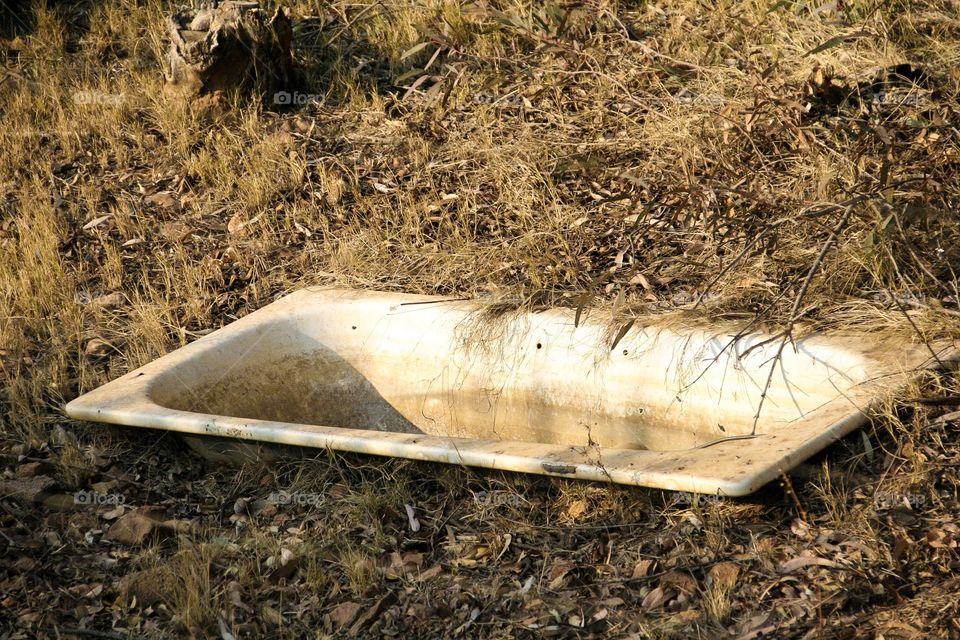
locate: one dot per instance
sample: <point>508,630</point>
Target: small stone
<point>241,506</point>
<point>60,437</point>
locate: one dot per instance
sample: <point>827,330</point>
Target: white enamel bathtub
<point>428,378</point>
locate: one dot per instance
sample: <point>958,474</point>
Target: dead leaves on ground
<point>448,573</point>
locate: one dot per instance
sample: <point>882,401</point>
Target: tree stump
<point>225,47</point>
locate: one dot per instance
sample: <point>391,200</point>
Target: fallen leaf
<point>225,633</point>
<point>680,581</point>
<point>430,573</point>
<point>30,489</point>
<point>723,576</point>
<point>344,613</point>
<point>685,617</point>
<point>415,49</point>
<point>175,231</point>
<point>86,590</point>
<point>114,513</point>
<point>59,502</point>
<point>412,559</point>
<point>643,568</point>
<point>412,518</point>
<point>654,599</point>
<point>283,566</point>
<point>900,548</point>
<point>576,509</point>
<point>137,527</point>
<point>642,281</point>
<point>30,469</point>
<point>96,222</point>
<point>271,615</point>
<point>237,225</point>
<point>507,539</point>
<point>758,626</point>
<point>800,562</point>
<point>558,572</point>
<point>371,613</point>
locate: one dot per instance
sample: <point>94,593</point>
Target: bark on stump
<point>225,47</point>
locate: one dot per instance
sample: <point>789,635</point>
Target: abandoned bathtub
<point>452,381</point>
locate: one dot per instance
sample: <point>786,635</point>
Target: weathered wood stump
<point>225,47</point>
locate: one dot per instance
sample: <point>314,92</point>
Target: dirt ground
<point>788,165</point>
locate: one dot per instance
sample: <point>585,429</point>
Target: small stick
<point>954,399</point>
<point>795,310</point>
<point>727,439</point>
<point>408,304</point>
<point>793,495</point>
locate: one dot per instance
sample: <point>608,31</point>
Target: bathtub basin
<point>452,381</point>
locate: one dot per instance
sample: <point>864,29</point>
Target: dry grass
<point>674,158</point>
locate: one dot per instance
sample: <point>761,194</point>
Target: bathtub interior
<point>451,370</point>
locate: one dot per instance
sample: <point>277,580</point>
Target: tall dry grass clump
<point>774,163</point>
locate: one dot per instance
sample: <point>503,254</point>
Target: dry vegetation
<point>667,157</point>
